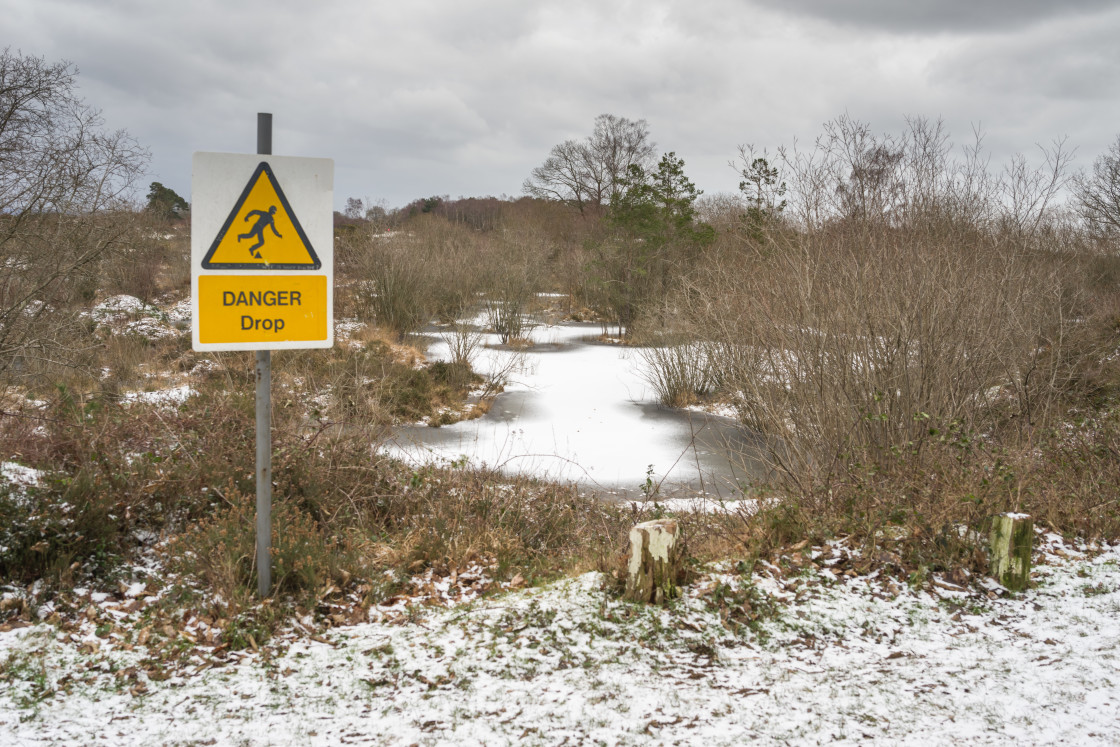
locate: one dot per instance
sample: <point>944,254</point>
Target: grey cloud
<point>933,16</point>
<point>1065,63</point>
<point>466,98</point>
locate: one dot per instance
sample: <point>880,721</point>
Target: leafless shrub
<point>463,341</point>
<point>64,184</point>
<point>140,265</point>
<point>902,295</point>
<point>856,347</point>
<point>506,312</point>
<point>514,259</point>
<point>428,270</point>
<point>1098,193</point>
<point>912,178</point>
<point>679,373</point>
<point>452,252</point>
<point>392,283</point>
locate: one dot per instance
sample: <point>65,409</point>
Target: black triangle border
<point>315,264</point>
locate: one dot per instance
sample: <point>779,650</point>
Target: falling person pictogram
<point>262,205</point>
<point>265,220</point>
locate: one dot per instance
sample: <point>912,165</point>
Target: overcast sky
<point>447,97</point>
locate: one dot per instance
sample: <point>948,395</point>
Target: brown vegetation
<point>919,342</point>
<point>912,339</point>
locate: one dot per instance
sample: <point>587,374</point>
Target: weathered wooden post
<point>1010,550</point>
<point>655,560</point>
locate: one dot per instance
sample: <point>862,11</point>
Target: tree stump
<point>1010,544</point>
<point>655,562</point>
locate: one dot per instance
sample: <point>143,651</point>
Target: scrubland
<point>918,340</point>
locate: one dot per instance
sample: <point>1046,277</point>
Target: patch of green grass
<point>742,607</point>
<point>1097,589</point>
<point>30,672</point>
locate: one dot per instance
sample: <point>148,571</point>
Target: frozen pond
<point>577,410</point>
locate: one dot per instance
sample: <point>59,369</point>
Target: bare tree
<point>851,174</point>
<point>64,182</point>
<point>1030,191</point>
<point>355,208</point>
<point>587,173</point>
<point>1098,193</point>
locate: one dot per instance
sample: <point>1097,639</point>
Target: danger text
<point>261,298</point>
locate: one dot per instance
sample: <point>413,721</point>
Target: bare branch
<point>586,174</point>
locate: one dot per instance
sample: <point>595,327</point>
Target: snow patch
<point>126,314</point>
<point>174,396</point>
<point>19,475</point>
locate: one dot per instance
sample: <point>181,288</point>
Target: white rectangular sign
<point>262,252</point>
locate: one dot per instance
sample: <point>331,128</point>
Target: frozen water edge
<point>845,664</point>
<point>576,411</point>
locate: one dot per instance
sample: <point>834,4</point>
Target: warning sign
<point>262,231</point>
<point>262,259</point>
<point>253,308</point>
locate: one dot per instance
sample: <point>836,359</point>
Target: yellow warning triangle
<point>262,232</point>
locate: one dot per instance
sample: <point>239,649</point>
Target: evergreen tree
<point>654,238</point>
<point>165,203</point>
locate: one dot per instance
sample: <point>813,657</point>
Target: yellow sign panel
<point>262,308</point>
<point>262,232</point>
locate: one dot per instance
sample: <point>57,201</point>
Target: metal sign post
<point>264,422</point>
<point>262,275</point>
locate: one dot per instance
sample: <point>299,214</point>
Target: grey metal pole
<point>264,423</point>
<point>264,133</point>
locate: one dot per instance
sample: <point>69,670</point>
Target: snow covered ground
<point>129,315</point>
<point>828,658</point>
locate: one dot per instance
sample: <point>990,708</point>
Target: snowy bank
<point>831,660</point>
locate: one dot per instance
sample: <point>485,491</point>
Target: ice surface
<point>577,410</point>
